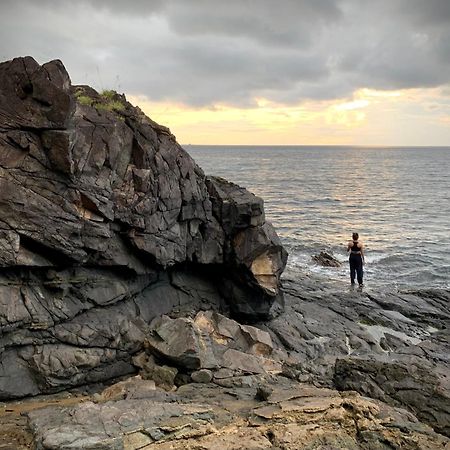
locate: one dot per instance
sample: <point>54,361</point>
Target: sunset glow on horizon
<point>370,117</point>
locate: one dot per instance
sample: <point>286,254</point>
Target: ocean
<point>397,199</point>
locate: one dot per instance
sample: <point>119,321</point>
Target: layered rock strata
<point>105,224</point>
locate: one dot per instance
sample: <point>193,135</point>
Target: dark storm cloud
<point>201,52</point>
<point>428,12</point>
<point>131,8</point>
<point>402,44</point>
<point>290,22</point>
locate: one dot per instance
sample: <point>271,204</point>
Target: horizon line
<point>316,145</point>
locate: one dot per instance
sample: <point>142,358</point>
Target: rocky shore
<point>392,346</point>
<point>339,368</point>
<point>142,304</point>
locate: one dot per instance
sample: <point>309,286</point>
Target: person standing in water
<point>356,259</point>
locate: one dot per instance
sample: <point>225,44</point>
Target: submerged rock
<point>105,224</point>
<point>326,260</point>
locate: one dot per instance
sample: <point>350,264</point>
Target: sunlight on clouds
<point>346,118</point>
<point>369,117</point>
<point>347,113</point>
<point>356,104</point>
<point>351,113</point>
<point>372,93</point>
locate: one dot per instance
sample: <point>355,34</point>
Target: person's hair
<point>355,236</point>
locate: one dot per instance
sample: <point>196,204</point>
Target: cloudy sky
<point>359,72</point>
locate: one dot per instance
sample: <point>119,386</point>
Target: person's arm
<point>362,253</point>
<point>349,246</point>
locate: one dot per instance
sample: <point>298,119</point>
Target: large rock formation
<point>105,224</point>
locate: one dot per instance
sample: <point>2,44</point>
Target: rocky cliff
<point>105,224</point>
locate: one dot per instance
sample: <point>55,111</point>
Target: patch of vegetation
<point>109,94</point>
<point>84,100</point>
<point>111,105</point>
<point>108,100</point>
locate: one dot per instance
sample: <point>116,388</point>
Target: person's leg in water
<point>360,271</point>
<point>352,270</point>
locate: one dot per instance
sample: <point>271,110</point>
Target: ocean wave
<point>396,273</point>
<point>391,260</point>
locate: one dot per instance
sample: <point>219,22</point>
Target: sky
<point>287,72</point>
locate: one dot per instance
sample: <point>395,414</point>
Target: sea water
<point>397,199</point>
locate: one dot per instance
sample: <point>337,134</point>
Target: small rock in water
<point>326,260</point>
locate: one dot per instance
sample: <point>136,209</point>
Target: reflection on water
<point>397,199</point>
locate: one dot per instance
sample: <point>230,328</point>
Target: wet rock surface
<point>393,346</point>
<point>105,224</point>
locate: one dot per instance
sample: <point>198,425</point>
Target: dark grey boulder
<point>400,380</point>
<point>202,376</point>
